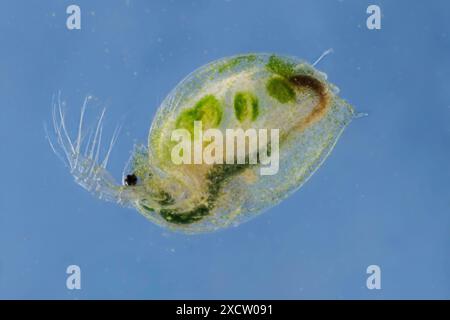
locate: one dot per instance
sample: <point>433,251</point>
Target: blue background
<point>382,197</point>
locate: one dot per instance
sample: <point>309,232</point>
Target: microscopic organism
<point>251,91</point>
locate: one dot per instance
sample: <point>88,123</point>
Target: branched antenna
<point>74,154</point>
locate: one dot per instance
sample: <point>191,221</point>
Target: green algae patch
<point>280,66</point>
<point>147,208</point>
<point>246,106</point>
<point>234,62</point>
<point>186,120</point>
<point>280,89</point>
<point>208,110</point>
<point>173,216</point>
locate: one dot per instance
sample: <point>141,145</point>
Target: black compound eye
<point>131,180</point>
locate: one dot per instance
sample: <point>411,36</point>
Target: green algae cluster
<point>280,89</point>
<point>280,66</point>
<point>208,110</point>
<point>188,217</point>
<point>279,86</point>
<point>246,106</point>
